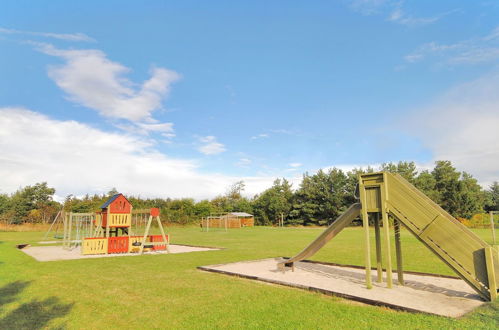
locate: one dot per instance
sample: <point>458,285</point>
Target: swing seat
<point>145,246</point>
<point>58,236</point>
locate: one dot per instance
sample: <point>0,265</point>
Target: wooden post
<point>365,222</point>
<point>65,233</point>
<point>108,218</point>
<point>145,235</point>
<point>492,227</point>
<point>379,265</point>
<point>50,228</point>
<point>386,229</point>
<point>398,251</point>
<point>489,262</point>
<point>70,228</point>
<point>167,241</point>
<point>130,227</point>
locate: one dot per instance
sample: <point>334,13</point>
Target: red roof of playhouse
<point>118,203</point>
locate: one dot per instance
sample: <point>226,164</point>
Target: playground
<point>443,274</point>
<point>168,290</point>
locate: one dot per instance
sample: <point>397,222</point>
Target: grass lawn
<point>167,291</point>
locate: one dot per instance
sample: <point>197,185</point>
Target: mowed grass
<point>167,291</point>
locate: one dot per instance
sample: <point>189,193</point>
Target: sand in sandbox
<point>52,253</point>
<point>444,296</point>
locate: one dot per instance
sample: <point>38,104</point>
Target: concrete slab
<point>53,253</point>
<point>444,296</point>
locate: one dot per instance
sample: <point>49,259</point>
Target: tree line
<point>318,200</point>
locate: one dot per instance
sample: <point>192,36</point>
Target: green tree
<point>457,193</point>
<point>203,208</point>
<point>492,197</point>
<point>277,200</point>
<point>321,198</point>
<point>471,196</point>
<point>447,186</point>
<point>25,200</point>
<point>406,169</point>
<point>426,182</point>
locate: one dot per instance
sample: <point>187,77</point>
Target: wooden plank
<point>491,276</point>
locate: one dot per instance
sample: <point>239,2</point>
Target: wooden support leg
<point>167,241</point>
<point>377,233</point>
<point>398,251</point>
<point>491,276</point>
<point>386,229</point>
<point>145,234</point>
<point>365,221</point>
<point>70,229</point>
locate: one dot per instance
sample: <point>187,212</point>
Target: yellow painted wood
<point>94,246</point>
<point>120,219</point>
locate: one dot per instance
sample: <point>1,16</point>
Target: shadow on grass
<point>9,292</point>
<point>30,315</point>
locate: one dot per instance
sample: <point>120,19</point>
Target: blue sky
<point>182,98</point>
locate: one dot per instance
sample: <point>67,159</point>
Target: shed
<point>245,219</point>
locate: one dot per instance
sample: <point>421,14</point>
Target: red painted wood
<point>158,238</point>
<point>120,205</point>
<point>117,244</point>
<point>155,212</point>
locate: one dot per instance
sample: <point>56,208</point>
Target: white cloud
<point>243,162</point>
<point>89,78</point>
<point>259,136</point>
<point>78,159</point>
<point>295,164</point>
<point>394,11</point>
<point>210,145</point>
<point>60,36</point>
<point>463,127</point>
<point>368,7</point>
<point>400,17</point>
<point>471,51</point>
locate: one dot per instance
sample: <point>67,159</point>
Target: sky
<point>184,98</point>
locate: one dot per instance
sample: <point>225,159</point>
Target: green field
<point>167,291</point>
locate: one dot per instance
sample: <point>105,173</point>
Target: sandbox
<point>432,294</point>
<point>53,253</point>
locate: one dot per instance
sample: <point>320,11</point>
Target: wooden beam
<point>386,230</point>
<point>367,247</point>
<point>398,251</point>
<point>379,264</point>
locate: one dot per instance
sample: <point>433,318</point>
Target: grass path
<point>166,291</point>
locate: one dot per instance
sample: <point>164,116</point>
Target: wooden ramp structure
<point>383,195</point>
